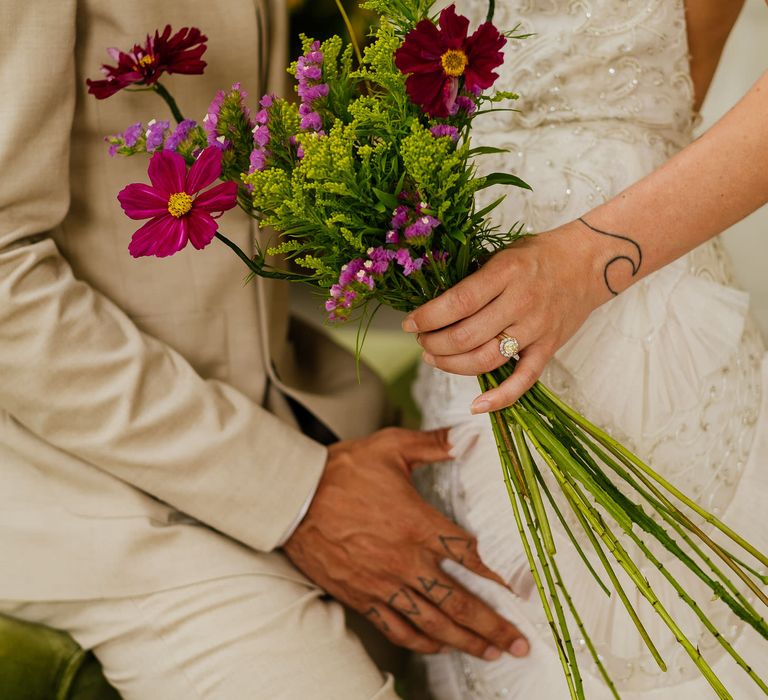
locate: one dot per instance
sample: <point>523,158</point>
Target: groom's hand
<point>373,543</point>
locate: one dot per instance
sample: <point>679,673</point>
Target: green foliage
<point>337,202</point>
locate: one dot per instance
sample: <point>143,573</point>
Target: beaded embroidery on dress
<point>673,367</point>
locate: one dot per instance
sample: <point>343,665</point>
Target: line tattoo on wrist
<point>633,257</point>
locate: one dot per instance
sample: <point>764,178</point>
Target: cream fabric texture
<point>242,637</point>
<point>138,399</point>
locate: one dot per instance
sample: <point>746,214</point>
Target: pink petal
<point>218,199</point>
<point>202,228</point>
<point>161,236</point>
<point>167,171</point>
<point>205,170</point>
<point>140,201</point>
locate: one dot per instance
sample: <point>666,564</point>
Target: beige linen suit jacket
<point>139,399</point>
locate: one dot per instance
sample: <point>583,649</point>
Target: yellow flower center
<point>145,61</point>
<point>454,62</point>
<point>179,204</point>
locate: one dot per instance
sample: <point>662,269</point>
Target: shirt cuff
<point>300,516</point>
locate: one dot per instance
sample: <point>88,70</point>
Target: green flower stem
<point>499,427</point>
<point>634,466</point>
<point>175,111</point>
<point>350,31</point>
<point>621,451</point>
<point>257,265</point>
<point>567,528</point>
<point>644,587</point>
<point>592,524</point>
<point>585,636</point>
<point>538,506</point>
<point>747,611</point>
<point>699,613</point>
<point>563,624</point>
<point>491,10</point>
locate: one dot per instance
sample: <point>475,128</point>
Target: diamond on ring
<point>509,347</point>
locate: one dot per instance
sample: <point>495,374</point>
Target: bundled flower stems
<point>370,180</point>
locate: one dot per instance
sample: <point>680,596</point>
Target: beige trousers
<point>245,637</point>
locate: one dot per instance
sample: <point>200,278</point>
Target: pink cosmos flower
<point>177,209</point>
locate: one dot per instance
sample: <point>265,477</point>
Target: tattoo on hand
<point>437,592</point>
<point>404,602</point>
<point>634,258</point>
<point>456,547</point>
<point>375,617</point>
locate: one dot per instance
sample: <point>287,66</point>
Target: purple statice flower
<point>211,120</point>
<point>420,231</point>
<point>379,259</point>
<point>445,130</point>
<point>399,217</point>
<point>258,160</point>
<point>464,104</point>
<point>364,276</point>
<point>309,73</point>
<point>261,135</point>
<point>349,271</point>
<point>409,265</point>
<point>439,256</point>
<point>179,135</point>
<point>392,237</point>
<point>313,93</point>
<point>310,119</point>
<point>112,149</point>
<point>156,132</point>
<point>132,134</point>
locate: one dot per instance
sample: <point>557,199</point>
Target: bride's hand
<point>539,291</point>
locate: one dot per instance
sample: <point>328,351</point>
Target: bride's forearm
<point>707,187</point>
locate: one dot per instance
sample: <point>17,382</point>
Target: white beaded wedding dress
<point>673,367</point>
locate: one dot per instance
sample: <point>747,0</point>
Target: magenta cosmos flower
<point>143,65</point>
<point>437,60</point>
<point>179,211</point>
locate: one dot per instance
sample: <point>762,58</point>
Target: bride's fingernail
<point>429,359</point>
<point>519,648</point>
<point>409,325</point>
<point>481,405</point>
<point>492,654</point>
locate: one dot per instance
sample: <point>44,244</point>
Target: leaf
<point>387,199</point>
<point>484,212</point>
<point>504,179</point>
<point>486,150</point>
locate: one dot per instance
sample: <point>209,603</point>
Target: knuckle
<point>461,609</point>
<point>432,627</point>
<point>462,299</point>
<point>459,336</point>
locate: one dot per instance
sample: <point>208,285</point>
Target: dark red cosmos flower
<point>437,60</point>
<point>161,53</point>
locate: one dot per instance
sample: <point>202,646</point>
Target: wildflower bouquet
<point>369,180</point>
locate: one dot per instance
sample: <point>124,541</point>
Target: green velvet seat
<point>37,663</point>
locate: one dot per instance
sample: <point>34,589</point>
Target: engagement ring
<point>509,347</point>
